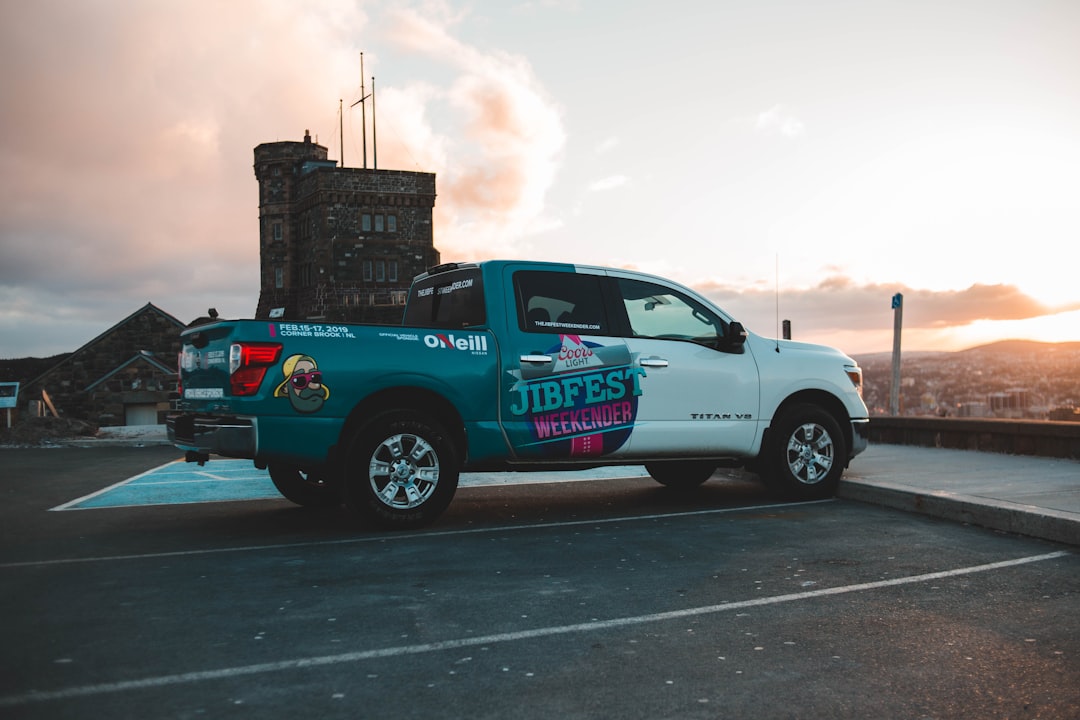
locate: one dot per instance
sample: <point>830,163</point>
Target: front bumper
<point>860,436</point>
<point>212,434</point>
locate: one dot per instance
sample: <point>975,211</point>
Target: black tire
<point>681,474</point>
<point>805,454</point>
<point>400,471</point>
<point>310,489</point>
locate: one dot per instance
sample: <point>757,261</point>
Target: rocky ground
<point>36,432</point>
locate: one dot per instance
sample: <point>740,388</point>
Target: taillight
<point>248,363</point>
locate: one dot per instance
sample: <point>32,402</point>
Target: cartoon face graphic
<point>303,384</point>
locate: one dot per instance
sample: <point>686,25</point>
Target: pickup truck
<point>514,365</point>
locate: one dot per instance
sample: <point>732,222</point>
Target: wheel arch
<point>826,401</point>
<point>418,399</point>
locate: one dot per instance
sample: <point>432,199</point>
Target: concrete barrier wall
<point>1014,437</point>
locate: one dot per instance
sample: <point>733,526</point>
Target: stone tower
<point>338,244</point>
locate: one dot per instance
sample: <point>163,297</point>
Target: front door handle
<point>654,362</point>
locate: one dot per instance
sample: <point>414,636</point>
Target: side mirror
<point>735,338</point>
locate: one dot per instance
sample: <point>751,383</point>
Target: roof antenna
<point>374,140</point>
<point>778,301</point>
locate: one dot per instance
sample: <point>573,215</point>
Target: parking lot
<point>609,597</point>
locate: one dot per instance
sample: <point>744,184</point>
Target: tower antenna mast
<point>374,140</point>
<point>363,107</point>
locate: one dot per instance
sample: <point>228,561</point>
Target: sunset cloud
<point>129,128</point>
<point>500,159</point>
<point>609,183</point>
<point>779,120</point>
<point>838,303</point>
<point>607,145</point>
<point>125,165</point>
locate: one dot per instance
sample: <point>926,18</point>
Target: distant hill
<point>887,356</point>
<point>23,370</point>
<point>1001,347</point>
<point>1014,347</point>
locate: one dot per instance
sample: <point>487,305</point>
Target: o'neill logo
<point>476,344</point>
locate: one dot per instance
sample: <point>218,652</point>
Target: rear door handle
<point>535,358</point>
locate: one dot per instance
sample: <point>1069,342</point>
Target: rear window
<point>560,302</point>
<point>452,299</point>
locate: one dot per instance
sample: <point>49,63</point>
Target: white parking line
<point>380,538</point>
<point>405,650</point>
<point>92,495</point>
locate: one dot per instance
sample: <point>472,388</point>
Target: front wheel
<point>400,471</point>
<point>681,474</point>
<point>805,454</point>
<point>310,489</point>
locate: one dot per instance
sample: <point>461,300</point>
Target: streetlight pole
<point>898,321</point>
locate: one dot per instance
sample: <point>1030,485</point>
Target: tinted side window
<point>560,302</point>
<point>660,312</point>
<point>448,300</point>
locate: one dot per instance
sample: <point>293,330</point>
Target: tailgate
<point>204,365</point>
<point>218,373</point>
<point>216,367</point>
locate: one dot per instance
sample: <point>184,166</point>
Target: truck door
<point>569,390</point>
<point>695,397</point>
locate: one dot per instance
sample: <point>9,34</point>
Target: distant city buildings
<point>338,244</point>
<point>1013,380</point>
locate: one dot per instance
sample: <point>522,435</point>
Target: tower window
<point>391,223</point>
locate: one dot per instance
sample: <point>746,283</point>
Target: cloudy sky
<point>794,159</point>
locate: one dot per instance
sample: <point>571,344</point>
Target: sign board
<point>9,394</point>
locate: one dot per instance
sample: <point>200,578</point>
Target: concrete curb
<point>91,442</point>
<point>1001,515</point>
<point>122,435</point>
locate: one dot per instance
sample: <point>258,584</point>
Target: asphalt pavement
<point>1034,496</point>
<point>535,595</point>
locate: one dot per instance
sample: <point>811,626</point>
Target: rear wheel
<point>310,489</point>
<point>400,471</point>
<point>805,454</point>
<point>681,474</point>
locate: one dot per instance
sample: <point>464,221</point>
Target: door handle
<point>535,358</point>
<point>654,362</point>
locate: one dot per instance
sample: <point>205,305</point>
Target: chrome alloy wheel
<point>404,471</point>
<point>810,453</point>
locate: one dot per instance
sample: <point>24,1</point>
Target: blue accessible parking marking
<point>182,483</point>
<point>224,480</point>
